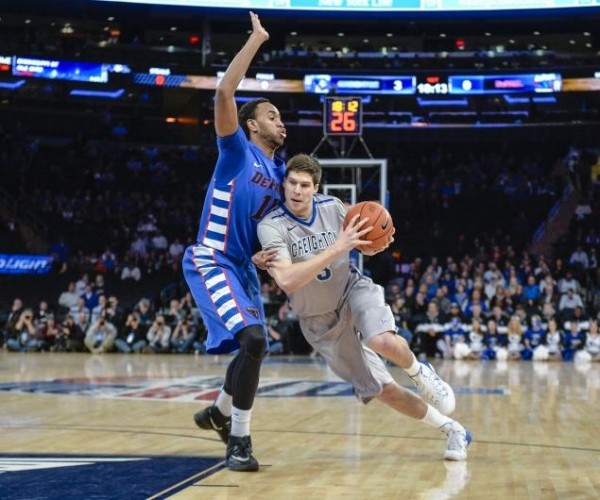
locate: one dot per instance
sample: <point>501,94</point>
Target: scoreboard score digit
<point>342,116</point>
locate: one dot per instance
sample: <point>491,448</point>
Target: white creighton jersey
<point>298,240</point>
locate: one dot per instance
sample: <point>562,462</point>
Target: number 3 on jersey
<point>324,275</point>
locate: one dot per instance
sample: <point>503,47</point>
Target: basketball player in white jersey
<point>343,315</point>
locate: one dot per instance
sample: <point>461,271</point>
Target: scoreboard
<point>433,84</point>
<point>342,116</point>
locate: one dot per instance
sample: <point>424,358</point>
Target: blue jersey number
<point>324,275</point>
<point>267,204</point>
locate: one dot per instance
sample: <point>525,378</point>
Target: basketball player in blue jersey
<point>219,268</point>
<point>343,315</point>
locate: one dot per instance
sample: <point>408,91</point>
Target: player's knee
<point>388,344</point>
<point>253,341</point>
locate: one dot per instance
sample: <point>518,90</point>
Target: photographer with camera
<point>133,335</point>
<point>184,335</point>
<point>101,336</point>
<point>21,336</point>
<point>159,336</point>
<point>70,337</point>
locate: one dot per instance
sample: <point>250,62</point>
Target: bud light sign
<point>25,264</point>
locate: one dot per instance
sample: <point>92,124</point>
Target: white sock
<point>435,418</point>
<point>413,369</point>
<point>223,403</point>
<point>240,422</point>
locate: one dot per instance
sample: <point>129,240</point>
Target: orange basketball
<point>378,217</point>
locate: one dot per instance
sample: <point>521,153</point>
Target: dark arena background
<point>476,123</point>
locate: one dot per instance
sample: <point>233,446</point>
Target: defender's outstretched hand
<point>257,28</point>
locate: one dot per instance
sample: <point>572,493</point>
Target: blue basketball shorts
<point>227,294</point>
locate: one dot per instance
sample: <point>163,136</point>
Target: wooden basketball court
<point>534,428</point>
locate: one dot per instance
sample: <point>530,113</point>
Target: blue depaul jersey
<point>245,185</point>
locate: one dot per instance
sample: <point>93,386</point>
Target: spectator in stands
<point>548,290</point>
<point>429,331</point>
<point>81,284</point>
<point>114,312</point>
<point>138,247</point>
<point>130,268</point>
<point>461,297</point>
<point>548,313</point>
<point>568,302</point>
<point>108,260</point>
<point>159,242</point>
<point>580,262</point>
<point>531,290</point>
<point>402,317</point>
<point>90,297</point>
<point>441,297</point>
<point>99,285</point>
<point>100,309</point>
<point>81,313</point>
<point>68,298</point>
<point>100,337</point>
<point>592,275</point>
<point>176,250</point>
<point>158,336</point>
<point>42,312</point>
<point>132,337</point>
<point>568,283</point>
<point>501,299</point>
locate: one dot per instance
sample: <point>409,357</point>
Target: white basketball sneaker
<point>434,389</point>
<point>459,439</point>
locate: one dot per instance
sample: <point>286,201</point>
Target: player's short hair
<point>248,112</point>
<point>305,163</point>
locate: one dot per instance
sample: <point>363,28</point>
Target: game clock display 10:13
<point>342,116</point>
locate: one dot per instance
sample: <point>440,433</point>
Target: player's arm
<point>292,276</point>
<point>226,120</point>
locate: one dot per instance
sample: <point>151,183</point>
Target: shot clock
<point>342,116</point>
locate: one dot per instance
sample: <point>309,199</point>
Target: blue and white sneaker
<point>434,389</point>
<point>459,439</point>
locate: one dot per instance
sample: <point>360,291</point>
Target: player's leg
<point>395,349</point>
<point>244,377</point>
<point>411,405</point>
<point>230,307</point>
<point>374,319</point>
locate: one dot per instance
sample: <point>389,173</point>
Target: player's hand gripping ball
<point>379,218</point>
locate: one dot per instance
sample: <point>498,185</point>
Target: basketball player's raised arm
<point>226,120</point>
<point>291,276</point>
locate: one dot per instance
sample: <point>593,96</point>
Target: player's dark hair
<point>248,112</point>
<point>305,163</point>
